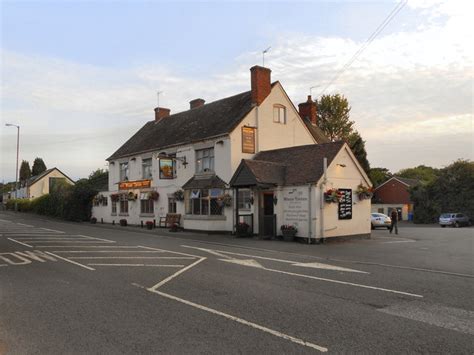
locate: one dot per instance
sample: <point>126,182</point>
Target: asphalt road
<point>70,288</point>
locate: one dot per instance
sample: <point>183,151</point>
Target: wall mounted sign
<point>166,169</point>
<point>248,140</point>
<point>137,184</point>
<point>345,204</point>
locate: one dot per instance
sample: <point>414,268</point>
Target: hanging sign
<point>248,140</point>
<point>345,204</point>
<point>137,184</point>
<point>166,169</point>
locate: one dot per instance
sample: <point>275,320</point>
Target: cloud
<point>415,84</point>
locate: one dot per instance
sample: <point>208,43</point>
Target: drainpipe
<point>323,184</point>
<point>257,143</point>
<point>310,214</point>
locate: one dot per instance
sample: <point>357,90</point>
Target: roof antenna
<point>158,99</point>
<point>263,56</point>
<point>311,89</point>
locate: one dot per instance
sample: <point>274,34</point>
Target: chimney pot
<point>161,112</point>
<point>196,103</point>
<point>308,110</point>
<point>260,83</point>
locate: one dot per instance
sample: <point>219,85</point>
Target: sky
<point>81,77</point>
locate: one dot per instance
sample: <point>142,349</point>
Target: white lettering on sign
<point>295,208</point>
<point>25,257</point>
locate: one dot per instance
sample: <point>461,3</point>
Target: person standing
<point>394,218</point>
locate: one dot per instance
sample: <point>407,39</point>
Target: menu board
<point>345,204</point>
<point>248,140</point>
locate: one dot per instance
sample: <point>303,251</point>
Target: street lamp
<point>17,155</point>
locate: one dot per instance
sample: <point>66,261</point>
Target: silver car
<point>454,220</point>
<point>378,220</point>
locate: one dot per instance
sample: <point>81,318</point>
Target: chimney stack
<point>161,112</point>
<point>308,110</point>
<point>260,83</point>
<point>196,103</point>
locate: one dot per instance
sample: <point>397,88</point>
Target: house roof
<point>205,182</point>
<point>405,181</point>
<point>287,166</point>
<point>316,132</point>
<point>210,120</point>
<point>38,177</point>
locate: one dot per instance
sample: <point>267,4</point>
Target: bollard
<point>101,221</point>
<point>141,224</point>
<point>113,222</point>
<point>154,223</point>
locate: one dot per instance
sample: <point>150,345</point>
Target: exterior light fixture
<point>164,155</point>
<point>275,200</point>
<point>341,165</point>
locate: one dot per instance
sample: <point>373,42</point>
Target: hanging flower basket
<point>242,229</point>
<point>131,196</point>
<point>364,192</point>
<point>224,200</point>
<point>288,231</point>
<point>115,197</point>
<point>153,195</point>
<point>149,224</point>
<point>333,196</point>
<point>179,195</point>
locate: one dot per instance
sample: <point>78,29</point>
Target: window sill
<point>146,215</point>
<point>196,217</point>
<point>123,214</point>
<point>113,214</point>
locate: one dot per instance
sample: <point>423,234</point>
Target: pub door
<point>267,215</point>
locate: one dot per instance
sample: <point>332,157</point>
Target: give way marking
<point>253,263</point>
<point>24,257</point>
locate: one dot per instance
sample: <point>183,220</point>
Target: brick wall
<point>392,192</point>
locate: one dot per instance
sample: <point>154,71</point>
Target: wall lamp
<point>341,165</point>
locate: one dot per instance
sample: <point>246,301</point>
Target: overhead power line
<point>369,40</point>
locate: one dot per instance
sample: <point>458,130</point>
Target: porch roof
<point>205,182</point>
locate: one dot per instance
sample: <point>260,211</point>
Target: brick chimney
<point>308,110</point>
<point>196,103</point>
<point>161,112</point>
<point>260,83</point>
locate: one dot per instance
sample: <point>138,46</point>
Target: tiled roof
<point>210,120</point>
<point>290,166</point>
<point>316,132</point>
<point>205,182</point>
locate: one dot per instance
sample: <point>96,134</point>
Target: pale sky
<point>80,77</point>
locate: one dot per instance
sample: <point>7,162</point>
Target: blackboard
<point>345,204</point>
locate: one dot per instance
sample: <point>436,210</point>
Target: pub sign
<point>248,140</point>
<point>345,204</point>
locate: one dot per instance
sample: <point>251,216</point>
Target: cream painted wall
<point>41,187</point>
<point>270,135</point>
<point>348,177</point>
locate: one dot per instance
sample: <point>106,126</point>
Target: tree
<point>357,145</point>
<point>99,179</point>
<point>25,171</point>
<point>379,175</point>
<point>38,167</point>
<point>333,117</point>
<point>425,174</point>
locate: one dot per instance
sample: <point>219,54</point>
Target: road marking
<point>52,230</point>
<point>23,224</point>
<point>132,257</point>
<point>37,255</point>
<point>107,251</point>
<point>244,262</point>
<point>169,251</point>
<point>22,260</point>
<point>87,246</point>
<point>106,240</point>
<point>169,278</point>
<point>70,261</point>
<point>399,241</point>
<point>4,220</point>
<point>244,322</point>
<point>294,263</point>
<point>24,244</point>
<point>457,319</point>
<point>70,241</point>
<point>154,265</point>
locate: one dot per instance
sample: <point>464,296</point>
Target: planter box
<point>288,235</point>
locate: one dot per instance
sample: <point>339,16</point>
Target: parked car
<point>378,220</point>
<point>454,220</point>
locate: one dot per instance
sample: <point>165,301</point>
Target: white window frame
<point>279,114</point>
<point>147,168</point>
<point>124,171</point>
<point>205,160</point>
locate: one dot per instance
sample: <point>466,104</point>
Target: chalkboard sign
<point>345,204</point>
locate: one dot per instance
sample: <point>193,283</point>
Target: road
<point>68,288</point>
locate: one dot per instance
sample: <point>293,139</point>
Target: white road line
<point>399,241</point>
<point>244,322</point>
<point>107,251</point>
<point>16,241</point>
<point>133,257</point>
<point>23,224</point>
<point>4,220</point>
<point>88,246</point>
<point>169,251</point>
<point>139,265</point>
<point>70,261</point>
<point>161,283</point>
<point>344,283</point>
<point>71,241</point>
<point>52,230</point>
<point>85,236</point>
<point>40,239</point>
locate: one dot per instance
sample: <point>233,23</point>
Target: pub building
<point>251,158</point>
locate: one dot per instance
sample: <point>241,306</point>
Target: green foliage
<point>24,205</point>
<point>379,175</point>
<point>333,117</point>
<point>357,145</point>
<point>25,171</point>
<point>38,166</point>
<point>451,191</point>
<point>425,174</point>
<point>99,179</point>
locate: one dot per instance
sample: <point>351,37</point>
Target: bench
<point>170,220</point>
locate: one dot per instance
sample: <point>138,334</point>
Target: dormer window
<point>279,114</point>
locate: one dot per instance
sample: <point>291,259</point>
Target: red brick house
<point>394,194</point>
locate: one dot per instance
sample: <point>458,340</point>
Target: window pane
<point>216,208</point>
<point>276,117</point>
<point>205,206</point>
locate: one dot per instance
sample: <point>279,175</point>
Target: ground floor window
<point>114,207</point>
<point>244,199</point>
<point>147,206</point>
<point>123,204</point>
<point>171,205</point>
<point>204,202</point>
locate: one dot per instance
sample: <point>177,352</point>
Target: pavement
<point>75,288</point>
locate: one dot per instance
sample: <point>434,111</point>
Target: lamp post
<point>17,155</point>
